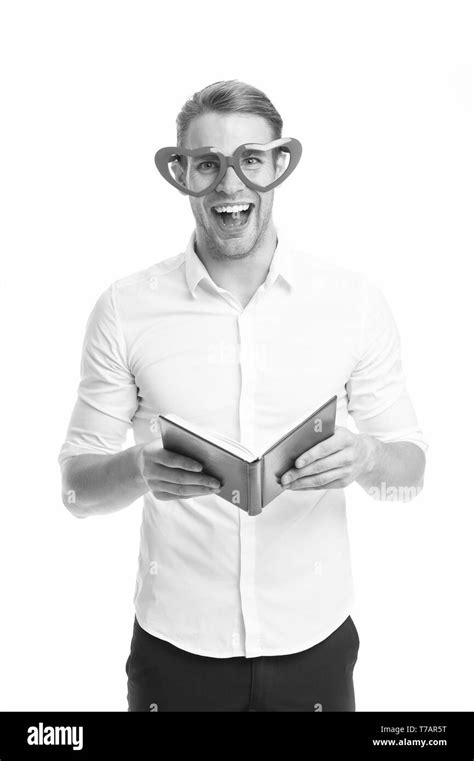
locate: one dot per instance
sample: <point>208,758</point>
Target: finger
<point>322,480</point>
<point>175,491</point>
<point>175,460</point>
<point>337,460</point>
<point>341,438</point>
<point>340,483</point>
<point>178,476</point>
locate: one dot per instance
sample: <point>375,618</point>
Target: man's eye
<point>251,160</point>
<point>206,166</point>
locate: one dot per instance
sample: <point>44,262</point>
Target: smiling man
<point>245,334</point>
<point>234,221</point>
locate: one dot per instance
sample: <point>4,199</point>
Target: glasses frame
<point>287,144</point>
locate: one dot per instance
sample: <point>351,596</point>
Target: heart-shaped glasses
<point>260,166</point>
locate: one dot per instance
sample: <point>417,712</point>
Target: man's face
<point>224,236</point>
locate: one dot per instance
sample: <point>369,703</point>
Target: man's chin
<point>235,246</point>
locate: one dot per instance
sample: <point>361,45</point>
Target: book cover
<point>249,482</point>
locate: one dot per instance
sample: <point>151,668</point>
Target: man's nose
<point>230,182</point>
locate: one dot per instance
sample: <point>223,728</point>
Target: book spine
<point>254,491</point>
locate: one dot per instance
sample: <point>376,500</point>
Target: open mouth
<point>233,217</point>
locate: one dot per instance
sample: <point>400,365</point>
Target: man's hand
<point>334,463</point>
<point>172,476</point>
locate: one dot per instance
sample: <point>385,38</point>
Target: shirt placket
<point>248,525</point>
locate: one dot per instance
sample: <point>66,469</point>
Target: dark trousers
<point>162,677</point>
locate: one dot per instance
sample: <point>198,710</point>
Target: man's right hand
<point>169,475</point>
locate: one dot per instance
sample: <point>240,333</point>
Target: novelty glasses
<point>260,166</point>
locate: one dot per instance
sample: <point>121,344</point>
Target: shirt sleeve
<point>107,394</point>
<point>378,399</point>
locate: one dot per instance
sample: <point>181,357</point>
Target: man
<point>245,335</point>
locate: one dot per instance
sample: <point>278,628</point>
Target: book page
<point>231,445</point>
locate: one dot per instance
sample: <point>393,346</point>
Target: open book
<point>248,480</point>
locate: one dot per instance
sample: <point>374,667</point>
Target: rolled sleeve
<point>378,399</point>
<point>107,394</point>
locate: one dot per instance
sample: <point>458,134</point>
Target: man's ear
<point>281,163</point>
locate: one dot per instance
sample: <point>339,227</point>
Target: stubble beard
<point>221,251</point>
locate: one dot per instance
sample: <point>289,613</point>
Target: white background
<point>380,95</point>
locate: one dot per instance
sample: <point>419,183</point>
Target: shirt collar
<point>282,265</point>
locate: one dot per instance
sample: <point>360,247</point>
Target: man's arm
<point>393,467</point>
<point>94,484</point>
<point>387,456</point>
<point>109,478</point>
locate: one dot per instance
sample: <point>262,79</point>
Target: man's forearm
<point>96,484</point>
<point>393,470</point>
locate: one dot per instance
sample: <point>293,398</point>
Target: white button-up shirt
<point>211,579</point>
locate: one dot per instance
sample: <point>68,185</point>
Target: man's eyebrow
<point>252,152</point>
<point>205,157</point>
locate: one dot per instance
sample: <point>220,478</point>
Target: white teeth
<point>232,209</point>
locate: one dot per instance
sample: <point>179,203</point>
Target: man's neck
<point>241,277</point>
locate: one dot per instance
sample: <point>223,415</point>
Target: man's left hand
<point>333,463</point>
